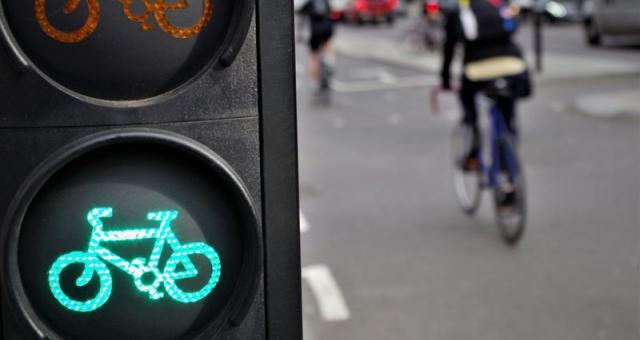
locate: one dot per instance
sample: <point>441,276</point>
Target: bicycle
<point>158,8</point>
<point>146,275</point>
<point>499,169</point>
<point>424,34</point>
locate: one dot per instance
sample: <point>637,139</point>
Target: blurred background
<point>387,252</point>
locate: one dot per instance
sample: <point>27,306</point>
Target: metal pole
<point>537,34</point>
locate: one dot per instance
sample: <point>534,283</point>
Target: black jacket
<point>488,46</point>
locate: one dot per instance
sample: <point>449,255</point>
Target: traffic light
<point>148,188</point>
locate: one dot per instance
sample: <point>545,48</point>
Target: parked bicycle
<point>159,9</point>
<point>424,34</point>
<point>499,170</point>
<point>146,275</point>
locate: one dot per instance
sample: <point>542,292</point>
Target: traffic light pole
<point>537,36</point>
<point>276,67</point>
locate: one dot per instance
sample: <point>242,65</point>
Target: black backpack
<point>494,21</point>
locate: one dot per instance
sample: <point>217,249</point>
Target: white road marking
<point>367,72</point>
<point>304,223</point>
<point>381,74</point>
<point>326,292</point>
<point>387,78</point>
<point>379,85</point>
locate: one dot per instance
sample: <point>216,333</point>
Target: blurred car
<point>610,18</point>
<point>551,10</point>
<point>338,8</point>
<point>403,8</point>
<point>431,7</point>
<point>560,11</point>
<point>361,11</point>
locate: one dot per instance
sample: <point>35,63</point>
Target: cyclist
<point>322,27</point>
<point>485,27</point>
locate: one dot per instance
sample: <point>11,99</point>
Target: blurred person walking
<point>322,56</point>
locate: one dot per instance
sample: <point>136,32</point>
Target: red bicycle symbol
<point>159,9</point>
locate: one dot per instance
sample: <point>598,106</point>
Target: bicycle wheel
<point>510,215</point>
<point>181,255</point>
<point>92,265</point>
<point>69,37</point>
<point>412,40</point>
<point>466,183</point>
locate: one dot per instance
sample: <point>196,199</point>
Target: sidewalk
<point>556,66</point>
<point>610,104</point>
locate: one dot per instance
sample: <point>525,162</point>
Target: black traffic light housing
<point>149,123</point>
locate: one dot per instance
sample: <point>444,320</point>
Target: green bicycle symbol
<point>96,255</point>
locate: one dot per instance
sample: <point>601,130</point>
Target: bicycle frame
<point>498,130</point>
<point>136,268</point>
<point>97,256</point>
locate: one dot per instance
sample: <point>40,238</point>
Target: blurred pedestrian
<point>322,56</point>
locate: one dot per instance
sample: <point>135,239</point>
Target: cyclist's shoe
<point>324,85</point>
<point>329,69</point>
<point>506,200</point>
<point>470,147</point>
<point>507,194</point>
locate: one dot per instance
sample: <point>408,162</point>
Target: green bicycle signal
<point>96,257</point>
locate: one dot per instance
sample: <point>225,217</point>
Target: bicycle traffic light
<point>149,183</point>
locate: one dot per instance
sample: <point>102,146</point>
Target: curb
<point>564,67</point>
<point>609,105</point>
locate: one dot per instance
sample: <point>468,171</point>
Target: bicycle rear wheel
<point>466,183</point>
<point>510,197</point>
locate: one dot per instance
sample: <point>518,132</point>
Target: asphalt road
<point>387,253</point>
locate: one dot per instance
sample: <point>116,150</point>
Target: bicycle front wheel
<point>467,183</point>
<point>182,255</point>
<point>510,194</point>
<point>79,35</point>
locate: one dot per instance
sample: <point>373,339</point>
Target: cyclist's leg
<point>508,108</point>
<point>468,91</point>
<point>467,95</point>
<point>507,154</point>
